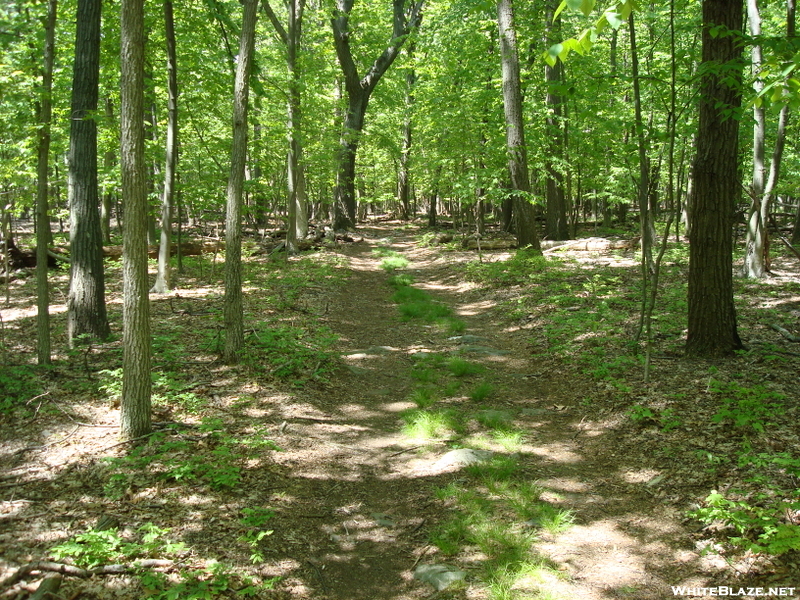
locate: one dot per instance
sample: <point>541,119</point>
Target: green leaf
<point>560,8</point>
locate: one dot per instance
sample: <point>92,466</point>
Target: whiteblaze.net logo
<point>726,591</point>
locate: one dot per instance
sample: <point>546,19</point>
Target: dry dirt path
<point>360,492</point>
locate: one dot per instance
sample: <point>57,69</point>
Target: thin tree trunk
<point>646,226</point>
<point>42,216</point>
<point>135,418</point>
<point>233,312</point>
<point>86,306</point>
<point>164,278</point>
<point>515,132</point>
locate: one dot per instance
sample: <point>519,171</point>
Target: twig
<point>404,451</point>
<point>785,333</point>
<point>421,554</point>
<point>64,569</point>
<point>30,448</point>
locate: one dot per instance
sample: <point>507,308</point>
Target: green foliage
<point>202,584</point>
<point>18,385</point>
<point>463,368</point>
<point>431,424</point>
<point>498,514</point>
<point>254,520</point>
<point>215,464</point>
<point>523,267</point>
<point>644,415</point>
<point>761,529</point>
<point>747,407</point>
<point>101,547</point>
<point>291,353</point>
<point>167,391</point>
<point>481,392</point>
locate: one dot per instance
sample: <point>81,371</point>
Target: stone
<point>439,576</point>
<point>463,457</point>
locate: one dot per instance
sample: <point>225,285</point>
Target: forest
<point>413,299</point>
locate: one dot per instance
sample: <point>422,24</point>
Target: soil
<point>352,495</point>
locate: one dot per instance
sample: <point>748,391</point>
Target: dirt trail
<point>363,492</point>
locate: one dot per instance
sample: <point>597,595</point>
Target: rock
<point>383,520</point>
<point>463,457</point>
<point>439,576</point>
<point>467,339</point>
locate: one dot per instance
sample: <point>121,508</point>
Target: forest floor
<point>319,468</point>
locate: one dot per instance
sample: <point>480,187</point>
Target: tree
<point>163,279</point>
<point>290,35</point>
<point>86,306</point>
<point>234,325</point>
<point>135,419</point>
<point>712,315</point>
<point>515,131</point>
<point>42,216</point>
<point>359,89</point>
<point>556,227</point>
<point>756,259</point>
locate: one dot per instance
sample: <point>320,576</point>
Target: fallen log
<point>187,249</point>
<point>589,245</point>
<point>493,243</point>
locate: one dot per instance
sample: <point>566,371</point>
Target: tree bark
<point>163,281</point>
<point>556,226</point>
<point>712,315</point>
<point>135,418</point>
<point>86,306</point>
<point>359,89</point>
<point>42,216</point>
<point>515,132</point>
<point>233,312</point>
<point>756,259</point>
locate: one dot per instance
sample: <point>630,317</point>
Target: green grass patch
<point>499,514</point>
<point>431,424</point>
<point>481,392</point>
<point>463,368</point>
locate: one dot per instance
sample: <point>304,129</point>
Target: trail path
<point>361,492</point>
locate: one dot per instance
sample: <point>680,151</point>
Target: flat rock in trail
<point>462,457</point>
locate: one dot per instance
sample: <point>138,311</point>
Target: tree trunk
<point>712,315</point>
<point>756,260</point>
<point>233,315</point>
<point>556,226</point>
<point>136,376</point>
<point>515,133</point>
<point>86,306</point>
<point>108,199</point>
<point>359,89</point>
<point>164,278</point>
<point>404,173</point>
<point>42,216</point>
<point>646,224</point>
<point>297,204</point>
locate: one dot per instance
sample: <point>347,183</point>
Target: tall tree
<point>359,90</point>
<point>163,280</point>
<point>233,315</point>
<point>756,259</point>
<point>556,226</point>
<point>712,315</point>
<point>42,216</point>
<point>135,418</point>
<point>86,306</point>
<point>290,35</point>
<point>404,173</point>
<point>515,130</point>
